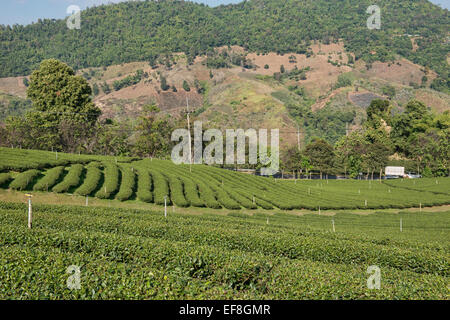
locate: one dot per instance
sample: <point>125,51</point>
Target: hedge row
<point>195,191</point>
<point>161,188</point>
<point>24,179</point>
<point>239,198</point>
<point>111,176</point>
<point>222,196</point>
<point>242,191</point>
<point>49,180</point>
<point>128,183</point>
<point>144,191</point>
<point>176,192</point>
<point>91,182</point>
<point>71,180</point>
<point>5,178</point>
<point>192,194</point>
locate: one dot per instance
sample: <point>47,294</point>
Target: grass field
<point>226,235</point>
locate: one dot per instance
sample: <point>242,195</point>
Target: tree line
<point>417,138</point>
<point>64,118</point>
<point>145,30</point>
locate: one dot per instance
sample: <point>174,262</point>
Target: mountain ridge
<point>137,31</point>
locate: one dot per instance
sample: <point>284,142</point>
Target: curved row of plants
<point>49,180</point>
<point>71,180</point>
<point>24,179</point>
<point>127,184</point>
<point>158,180</point>
<point>111,180</point>
<point>91,181</point>
<point>145,186</point>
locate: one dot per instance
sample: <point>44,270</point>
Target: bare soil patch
<point>13,86</point>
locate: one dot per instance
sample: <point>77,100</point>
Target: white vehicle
<point>413,175</point>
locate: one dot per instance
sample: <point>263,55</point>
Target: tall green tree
<point>63,116</point>
<point>321,155</point>
<point>155,131</point>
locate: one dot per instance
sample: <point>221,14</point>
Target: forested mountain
<point>141,30</point>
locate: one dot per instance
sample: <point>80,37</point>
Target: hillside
<point>141,30</point>
<point>231,62</point>
<point>235,97</point>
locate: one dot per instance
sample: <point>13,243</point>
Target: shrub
<point>71,180</point>
<point>240,199</point>
<point>225,200</point>
<point>23,180</point>
<point>161,187</point>
<point>192,193</point>
<point>144,191</point>
<point>207,195</point>
<point>111,176</point>
<point>5,178</point>
<point>49,180</point>
<point>90,184</point>
<point>128,183</point>
<point>176,192</point>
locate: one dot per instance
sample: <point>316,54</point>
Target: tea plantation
<point>141,255</point>
<point>247,241</point>
<point>160,182</point>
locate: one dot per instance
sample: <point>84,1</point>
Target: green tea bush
<point>192,193</point>
<point>176,192</point>
<point>239,198</point>
<point>127,185</point>
<point>225,200</point>
<point>71,180</point>
<point>144,190</point>
<point>209,186</point>
<point>208,196</point>
<point>49,180</point>
<point>91,182</point>
<point>5,178</point>
<point>236,256</point>
<point>161,187</point>
<point>111,175</point>
<point>24,180</point>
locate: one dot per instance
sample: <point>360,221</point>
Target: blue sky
<point>27,11</point>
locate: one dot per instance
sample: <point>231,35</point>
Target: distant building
<point>394,171</point>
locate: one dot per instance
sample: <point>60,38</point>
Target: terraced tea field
<point>160,182</point>
<point>135,254</point>
<point>232,236</point>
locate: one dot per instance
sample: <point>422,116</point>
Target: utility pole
<point>189,129</point>
<point>298,137</point>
